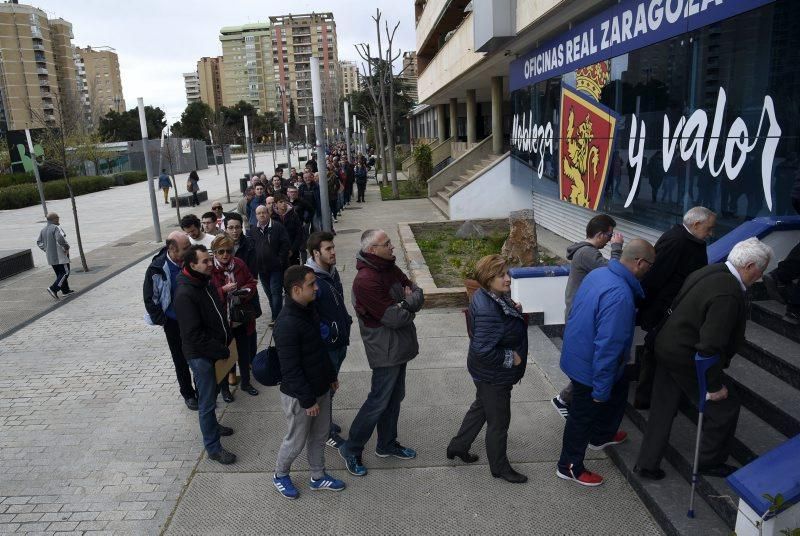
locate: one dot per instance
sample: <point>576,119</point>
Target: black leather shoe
<point>191,403</point>
<point>227,396</point>
<point>223,456</point>
<point>466,457</point>
<point>650,474</point>
<point>722,470</point>
<point>224,431</point>
<point>250,390</point>
<point>512,476</point>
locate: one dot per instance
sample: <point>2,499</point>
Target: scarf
<point>506,304</point>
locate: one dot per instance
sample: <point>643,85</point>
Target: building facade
<point>103,79</point>
<point>268,64</point>
<point>349,71</point>
<point>408,76</point>
<point>37,66</point>
<point>210,81</point>
<point>191,85</point>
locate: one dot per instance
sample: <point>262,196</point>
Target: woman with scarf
<point>498,352</point>
<point>235,284</point>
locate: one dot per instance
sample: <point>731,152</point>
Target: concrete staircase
<point>442,198</point>
<point>766,377</point>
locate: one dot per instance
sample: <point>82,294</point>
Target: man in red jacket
<point>386,302</point>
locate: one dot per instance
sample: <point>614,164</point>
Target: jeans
<point>381,409</point>
<point>337,358</point>
<point>173,332</point>
<point>304,431</point>
<point>206,381</point>
<point>492,406</point>
<point>590,422</point>
<point>62,274</point>
<point>272,283</point>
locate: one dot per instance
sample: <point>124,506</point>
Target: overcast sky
<point>157,41</point>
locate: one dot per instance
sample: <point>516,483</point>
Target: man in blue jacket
<point>597,345</point>
<point>334,320</point>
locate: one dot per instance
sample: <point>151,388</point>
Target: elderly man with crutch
<point>694,344</point>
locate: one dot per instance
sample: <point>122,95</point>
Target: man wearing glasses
<point>221,216</point>
<point>585,256</point>
<point>386,302</point>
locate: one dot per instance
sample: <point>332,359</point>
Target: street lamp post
<point>282,90</point>
<point>149,171</point>
<point>347,128</point>
<point>247,146</point>
<point>316,95</point>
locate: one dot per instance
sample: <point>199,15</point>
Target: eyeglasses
<point>216,208</point>
<point>223,251</point>
<point>384,245</point>
<point>650,263</point>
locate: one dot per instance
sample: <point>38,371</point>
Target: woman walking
<point>165,184</point>
<point>235,285</point>
<point>193,186</point>
<point>498,352</point>
<point>360,173</point>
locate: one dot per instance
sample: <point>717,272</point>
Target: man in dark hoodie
<point>284,213</point>
<point>584,257</point>
<point>205,335</point>
<point>160,284</point>
<point>386,302</point>
<point>334,320</point>
<point>258,199</point>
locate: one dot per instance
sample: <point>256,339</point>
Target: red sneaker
<point>586,478</point>
<point>618,438</point>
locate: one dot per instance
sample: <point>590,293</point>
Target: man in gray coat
<point>53,241</point>
<point>585,256</point>
<point>386,303</point>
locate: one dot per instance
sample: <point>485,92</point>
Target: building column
<point>440,119</point>
<point>497,114</point>
<point>472,109</point>
<point>454,119</point>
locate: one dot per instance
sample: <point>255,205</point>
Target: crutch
<point>702,364</point>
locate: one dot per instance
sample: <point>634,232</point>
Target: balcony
<point>38,46</point>
<point>42,70</point>
<point>43,82</point>
<point>47,106</point>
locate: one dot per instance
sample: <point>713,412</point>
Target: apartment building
<point>349,71</point>
<point>268,64</point>
<point>191,84</point>
<point>37,66</point>
<point>103,79</point>
<point>210,81</point>
<point>408,76</point>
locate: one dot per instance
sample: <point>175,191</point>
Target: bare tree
<point>61,133</point>
<point>169,152</point>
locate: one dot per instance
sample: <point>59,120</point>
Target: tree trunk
<point>82,255</point>
<point>175,185</point>
<point>381,149</point>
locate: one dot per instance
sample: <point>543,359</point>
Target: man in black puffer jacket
<point>205,335</point>
<point>308,376</point>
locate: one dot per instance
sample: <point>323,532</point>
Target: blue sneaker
<point>398,451</point>
<point>285,486</point>
<point>354,464</point>
<point>328,483</point>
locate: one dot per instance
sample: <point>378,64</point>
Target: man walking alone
<point>53,241</point>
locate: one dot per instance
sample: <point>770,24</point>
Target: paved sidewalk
<point>94,437</point>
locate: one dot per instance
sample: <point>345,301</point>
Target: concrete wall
<point>492,195</point>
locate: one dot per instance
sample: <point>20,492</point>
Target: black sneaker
<point>223,456</point>
<point>335,441</point>
<point>227,396</point>
<point>52,293</point>
<point>398,451</point>
<point>191,403</point>
<point>561,407</point>
<point>67,292</point>
<point>224,431</point>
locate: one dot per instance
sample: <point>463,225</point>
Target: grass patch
<point>451,259</point>
<point>408,190</point>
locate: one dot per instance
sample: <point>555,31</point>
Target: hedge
<point>26,195</point>
<point>130,177</point>
<point>10,179</point>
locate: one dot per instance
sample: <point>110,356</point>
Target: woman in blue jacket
<point>498,352</point>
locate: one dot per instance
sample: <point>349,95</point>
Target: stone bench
<point>185,200</point>
<point>15,261</point>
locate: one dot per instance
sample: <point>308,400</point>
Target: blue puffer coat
<point>599,330</point>
<point>496,334</point>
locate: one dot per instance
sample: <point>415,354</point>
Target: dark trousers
<point>195,199</point>
<point>719,424</point>
<point>381,410</point>
<point>62,275</point>
<point>173,333</point>
<point>272,283</point>
<point>205,377</point>
<point>647,374</point>
<point>337,358</point>
<point>361,186</point>
<point>590,422</point>
<point>788,270</point>
<point>492,406</point>
<point>246,353</point>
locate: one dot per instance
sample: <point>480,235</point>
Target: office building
<point>103,79</point>
<point>210,82</point>
<point>191,83</point>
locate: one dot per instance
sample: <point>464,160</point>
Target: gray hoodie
<point>584,258</point>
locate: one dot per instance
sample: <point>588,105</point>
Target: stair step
<point>772,352</point>
<point>772,399</point>
<point>441,205</point>
<point>769,314</point>
<point>444,196</point>
<point>667,499</point>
